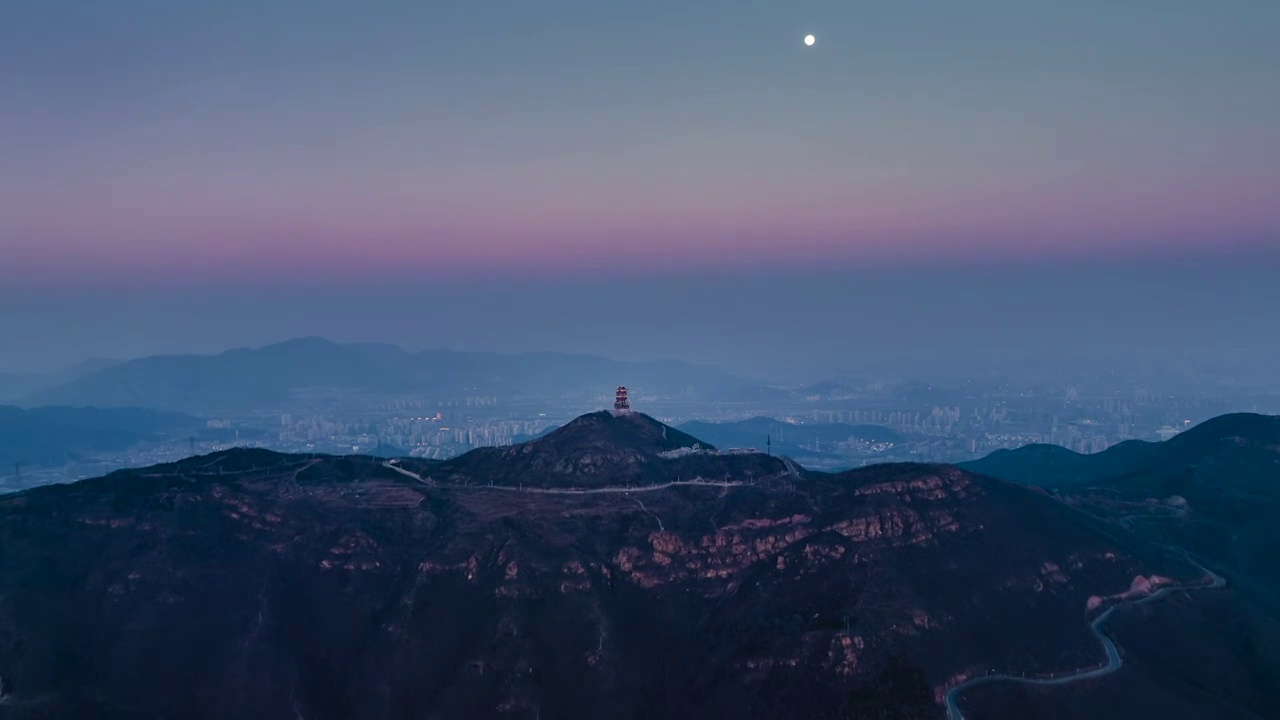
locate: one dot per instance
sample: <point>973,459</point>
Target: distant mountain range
<point>56,435</point>
<point>615,567</point>
<point>254,378</point>
<point>17,385</point>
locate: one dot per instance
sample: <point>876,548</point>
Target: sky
<point>512,175</point>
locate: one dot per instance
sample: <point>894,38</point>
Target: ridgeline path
<point>584,491</point>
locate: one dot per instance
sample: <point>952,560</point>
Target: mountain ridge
<point>1055,466</point>
<point>54,435</point>
<point>16,385</point>
<point>828,595</point>
<point>274,373</point>
<point>1213,490</point>
<point>197,587</point>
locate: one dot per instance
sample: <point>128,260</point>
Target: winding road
<point>1114,661</point>
<point>791,467</point>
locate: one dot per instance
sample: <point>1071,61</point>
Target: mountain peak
<point>626,428</point>
<point>1264,429</point>
<point>605,448</point>
<point>245,379</point>
<point>308,341</point>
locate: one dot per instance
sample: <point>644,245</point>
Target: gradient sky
<point>322,150</point>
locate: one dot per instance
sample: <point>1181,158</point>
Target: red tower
<point>620,401</point>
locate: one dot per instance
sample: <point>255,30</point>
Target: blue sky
<point>333,150</point>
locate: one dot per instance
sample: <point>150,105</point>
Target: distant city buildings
<point>935,425</point>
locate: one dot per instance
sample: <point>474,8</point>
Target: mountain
<point>81,369</point>
<point>599,449</point>
<point>56,435</point>
<point>252,378</point>
<point>386,451</point>
<point>254,584</point>
<point>1213,490</point>
<point>1047,465</point>
<point>523,438</point>
<point>789,438</point>
<point>1247,440</point>
<point>17,385</point>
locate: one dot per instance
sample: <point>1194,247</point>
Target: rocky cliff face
<point>262,585</point>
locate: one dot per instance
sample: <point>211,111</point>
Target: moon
<point>809,39</point>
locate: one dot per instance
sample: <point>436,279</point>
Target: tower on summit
<point>620,400</point>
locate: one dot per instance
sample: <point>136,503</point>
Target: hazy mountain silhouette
<point>254,584</point>
<point>55,435</point>
<point>80,369</point>
<point>16,385</point>
<point>251,378</point>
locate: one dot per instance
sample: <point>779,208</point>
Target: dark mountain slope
<point>1243,439</point>
<point>252,584</point>
<point>1206,656</point>
<point>1214,490</point>
<point>1056,466</point>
